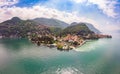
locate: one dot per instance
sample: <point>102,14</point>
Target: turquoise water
<point>19,56</point>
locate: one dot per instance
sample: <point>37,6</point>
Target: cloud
<point>79,1</point>
<point>110,28</point>
<point>41,11</point>
<point>38,11</point>
<point>107,6</point>
<point>7,2</point>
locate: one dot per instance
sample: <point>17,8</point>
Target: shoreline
<point>67,42</point>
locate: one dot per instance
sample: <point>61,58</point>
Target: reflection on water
<point>4,56</point>
<point>19,56</point>
<point>67,50</point>
<point>68,70</point>
<point>15,44</point>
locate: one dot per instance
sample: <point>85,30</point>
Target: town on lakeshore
<point>68,42</point>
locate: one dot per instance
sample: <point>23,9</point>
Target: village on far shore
<point>67,42</point>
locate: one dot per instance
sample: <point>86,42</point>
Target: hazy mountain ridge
<point>79,29</point>
<point>51,22</point>
<point>90,26</point>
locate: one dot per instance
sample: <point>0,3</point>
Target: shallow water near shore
<point>19,56</point>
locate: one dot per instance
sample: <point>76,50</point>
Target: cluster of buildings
<point>65,42</point>
<point>70,42</point>
<point>74,38</point>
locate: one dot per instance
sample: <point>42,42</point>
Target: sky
<point>103,14</point>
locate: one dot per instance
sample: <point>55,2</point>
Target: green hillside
<point>20,28</point>
<point>79,29</point>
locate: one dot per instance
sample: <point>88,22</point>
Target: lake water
<point>19,56</point>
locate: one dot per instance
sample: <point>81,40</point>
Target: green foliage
<point>55,30</point>
<point>59,46</point>
<point>18,28</point>
<point>80,29</point>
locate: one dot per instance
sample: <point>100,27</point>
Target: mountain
<point>80,29</point>
<point>90,26</point>
<point>74,23</point>
<point>51,22</point>
<point>16,27</point>
<point>12,21</point>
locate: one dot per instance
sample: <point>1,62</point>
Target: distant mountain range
<point>51,22</point>
<point>16,27</point>
<point>61,24</point>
